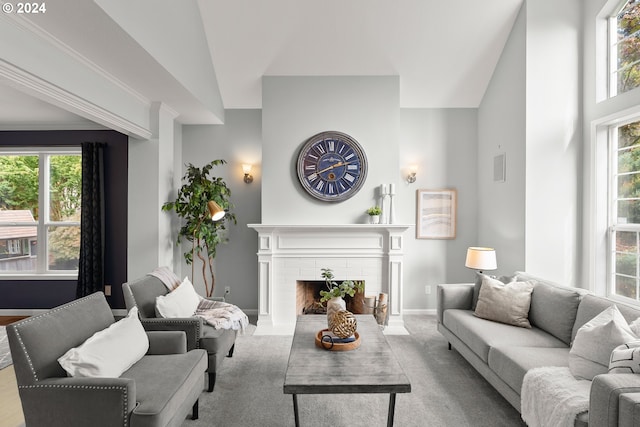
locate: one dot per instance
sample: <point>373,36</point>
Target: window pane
<point>629,186</point>
<point>627,50</point>
<point>629,135</point>
<point>626,264</point>
<point>64,247</point>
<point>65,183</point>
<point>626,287</point>
<point>19,183</point>
<point>18,246</point>
<point>628,212</point>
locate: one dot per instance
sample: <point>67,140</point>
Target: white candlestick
<point>392,189</point>
<point>383,190</point>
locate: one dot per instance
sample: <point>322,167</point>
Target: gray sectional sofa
<point>503,354</point>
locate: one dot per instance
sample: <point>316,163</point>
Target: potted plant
<point>335,293</point>
<point>374,213</point>
<point>197,226</point>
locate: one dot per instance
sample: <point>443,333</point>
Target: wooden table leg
<point>392,409</point>
<point>295,410</point>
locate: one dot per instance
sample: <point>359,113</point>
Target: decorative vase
<point>374,219</point>
<point>334,305</point>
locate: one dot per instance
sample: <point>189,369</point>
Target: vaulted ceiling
<point>188,53</point>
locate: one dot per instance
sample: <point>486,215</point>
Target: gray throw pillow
<point>478,284</point>
<point>505,303</point>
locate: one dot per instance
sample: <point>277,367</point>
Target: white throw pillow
<point>595,340</point>
<point>110,352</point>
<point>181,302</point>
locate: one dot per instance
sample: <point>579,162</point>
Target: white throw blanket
<point>222,315</point>
<point>168,277</point>
<point>551,396</point>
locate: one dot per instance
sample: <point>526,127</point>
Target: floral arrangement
<point>348,287</point>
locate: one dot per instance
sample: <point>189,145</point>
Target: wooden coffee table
<point>371,368</point>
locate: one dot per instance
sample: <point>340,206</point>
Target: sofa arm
<point>604,399</point>
<point>455,295</point>
<point>167,342</point>
<point>81,402</point>
<point>629,410</point>
<point>191,326</point>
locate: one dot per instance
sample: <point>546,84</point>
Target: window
<point>624,212</point>
<point>624,48</point>
<point>40,211</point>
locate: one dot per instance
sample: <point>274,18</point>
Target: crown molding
<point>28,25</point>
<point>48,92</point>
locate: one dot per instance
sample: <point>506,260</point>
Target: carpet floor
<point>445,389</point>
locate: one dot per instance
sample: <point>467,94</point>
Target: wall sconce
<point>247,173</point>
<point>411,178</point>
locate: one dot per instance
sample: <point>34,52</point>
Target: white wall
<point>532,113</point>
<point>554,135</point>
<point>150,186</point>
<point>238,141</point>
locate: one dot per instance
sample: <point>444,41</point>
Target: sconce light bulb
<point>411,178</point>
<point>246,169</point>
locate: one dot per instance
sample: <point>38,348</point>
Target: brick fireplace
<point>288,254</point>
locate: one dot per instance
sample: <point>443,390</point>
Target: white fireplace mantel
<point>288,253</point>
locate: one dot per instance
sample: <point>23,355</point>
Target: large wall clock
<point>332,166</point>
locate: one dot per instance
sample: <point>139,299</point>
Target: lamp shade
<point>217,213</point>
<point>481,258</point>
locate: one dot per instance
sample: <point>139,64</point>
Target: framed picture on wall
<point>436,214</point>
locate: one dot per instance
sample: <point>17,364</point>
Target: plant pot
<point>333,306</point>
<point>374,219</point>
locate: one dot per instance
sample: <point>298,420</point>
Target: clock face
<point>332,166</point>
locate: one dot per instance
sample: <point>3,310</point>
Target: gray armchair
<point>218,343</point>
<point>137,398</point>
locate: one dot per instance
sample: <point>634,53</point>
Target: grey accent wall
<point>443,144</point>
<point>502,130</point>
<point>238,141</point>
<point>296,108</point>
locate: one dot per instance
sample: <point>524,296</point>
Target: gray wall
<point>296,108</point>
<point>441,142</point>
<point>502,130</point>
<point>238,141</point>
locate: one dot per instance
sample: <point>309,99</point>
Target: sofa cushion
<point>595,341</point>
<point>110,352</point>
<point>161,396</point>
<point>592,305</point>
<point>512,363</point>
<point>181,302</point>
<point>505,302</point>
<point>480,334</point>
<point>553,307</point>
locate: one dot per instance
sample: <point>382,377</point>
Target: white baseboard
<point>409,311</point>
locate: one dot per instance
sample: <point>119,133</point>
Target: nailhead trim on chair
<point>168,320</point>
<point>40,317</point>
<point>125,412</point>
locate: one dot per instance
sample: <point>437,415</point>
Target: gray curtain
<point>91,265</point>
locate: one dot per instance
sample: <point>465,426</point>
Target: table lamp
<point>481,259</point>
